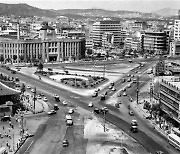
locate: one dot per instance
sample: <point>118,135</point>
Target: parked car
<point>51,112</point>
<point>65,143</point>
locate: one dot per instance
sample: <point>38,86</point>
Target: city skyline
<point>129,5</point>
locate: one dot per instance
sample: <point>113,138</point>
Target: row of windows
<point>170,92</point>
<point>169,101</point>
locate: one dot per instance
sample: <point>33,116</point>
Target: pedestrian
<point>9,129</point>
<point>3,127</point>
<point>12,126</point>
<point>16,119</point>
<point>7,143</point>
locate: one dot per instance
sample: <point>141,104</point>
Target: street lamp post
<point>137,89</point>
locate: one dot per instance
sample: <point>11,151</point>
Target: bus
<point>174,140</point>
<point>3,150</point>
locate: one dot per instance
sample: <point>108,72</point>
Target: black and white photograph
<point>89,77</point>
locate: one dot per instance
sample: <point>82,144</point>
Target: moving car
<point>41,94</point>
<point>45,99</point>
<point>51,112</point>
<point>113,89</point>
<point>131,113</point>
<point>134,126</point>
<point>56,107</point>
<point>90,104</point>
<point>28,87</point>
<point>97,110</point>
<point>129,80</point>
<point>104,109</point>
<point>71,111</point>
<point>124,94</point>
<point>56,97</point>
<point>103,97</point>
<point>39,97</point>
<point>65,143</point>
<point>64,103</point>
<point>129,86</point>
<point>95,94</point>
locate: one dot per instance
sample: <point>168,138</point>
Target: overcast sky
<point>130,5</point>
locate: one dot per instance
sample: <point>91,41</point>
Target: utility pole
<point>34,98</point>
<point>137,89</point>
<point>104,112</point>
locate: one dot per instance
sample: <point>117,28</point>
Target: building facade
<point>155,41</point>
<point>99,28</point>
<point>46,50</point>
<point>170,99</point>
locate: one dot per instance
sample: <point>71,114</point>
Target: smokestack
<point>18,31</point>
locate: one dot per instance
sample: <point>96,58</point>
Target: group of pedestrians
<point>10,134</point>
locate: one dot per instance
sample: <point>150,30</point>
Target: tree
<point>23,88</point>
<point>1,58</point>
<point>40,67</point>
<point>14,57</point>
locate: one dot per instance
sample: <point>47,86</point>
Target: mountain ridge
<point>23,9</point>
<point>166,12</point>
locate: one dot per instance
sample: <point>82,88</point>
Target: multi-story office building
<point>155,41</point>
<point>99,28</point>
<point>170,99</point>
<point>47,47</point>
<point>46,50</point>
<point>177,28</point>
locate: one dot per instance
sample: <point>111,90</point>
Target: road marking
<point>29,147</point>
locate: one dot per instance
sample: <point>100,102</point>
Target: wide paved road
<point>142,137</point>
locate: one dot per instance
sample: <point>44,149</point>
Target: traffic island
<point>73,80</point>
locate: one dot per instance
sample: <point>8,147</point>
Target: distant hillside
<point>24,10</point>
<point>104,13</point>
<point>166,12</point>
